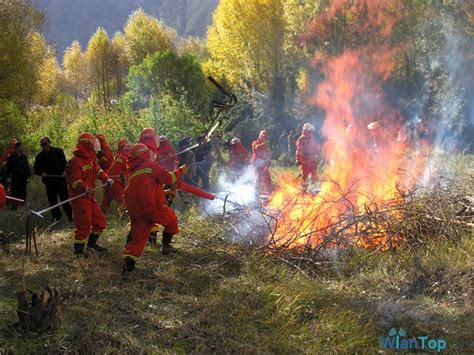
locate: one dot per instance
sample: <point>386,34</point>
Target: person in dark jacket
<point>50,164</point>
<point>18,172</point>
<point>187,158</point>
<point>203,163</point>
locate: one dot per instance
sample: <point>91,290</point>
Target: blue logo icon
<point>397,340</point>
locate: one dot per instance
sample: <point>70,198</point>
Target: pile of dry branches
<point>442,210</point>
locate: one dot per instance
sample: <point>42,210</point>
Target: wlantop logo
<point>396,340</point>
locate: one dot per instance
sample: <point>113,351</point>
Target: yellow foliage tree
<point>146,35</point>
<point>99,57</point>
<point>254,45</point>
<point>76,71</point>
<point>120,63</point>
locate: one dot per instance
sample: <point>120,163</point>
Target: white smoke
<point>449,71</point>
<point>249,225</point>
<point>235,191</point>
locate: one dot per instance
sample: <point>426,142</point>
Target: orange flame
<point>364,168</point>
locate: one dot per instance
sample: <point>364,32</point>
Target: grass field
<point>218,297</point>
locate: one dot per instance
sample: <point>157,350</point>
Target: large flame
<point>364,169</point>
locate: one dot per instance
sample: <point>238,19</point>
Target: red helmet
<point>100,137</point>
<point>140,151</point>
<point>148,131</point>
<point>121,144</point>
<point>89,139</point>
<point>148,137</point>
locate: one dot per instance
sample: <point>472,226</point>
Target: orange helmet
<point>148,132</point>
<point>372,126</point>
<point>308,127</point>
<point>148,137</point>
<point>121,144</point>
<point>89,139</point>
<point>140,151</point>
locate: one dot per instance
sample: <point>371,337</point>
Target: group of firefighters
<point>141,178</point>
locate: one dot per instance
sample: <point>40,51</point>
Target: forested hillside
<point>68,20</point>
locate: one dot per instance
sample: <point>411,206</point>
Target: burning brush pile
<point>376,190</point>
<point>381,185</point>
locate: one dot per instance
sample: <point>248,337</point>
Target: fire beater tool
<point>221,106</point>
<point>32,217</point>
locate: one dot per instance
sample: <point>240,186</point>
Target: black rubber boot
<point>167,248</point>
<point>128,265</point>
<point>78,249</point>
<point>92,244</point>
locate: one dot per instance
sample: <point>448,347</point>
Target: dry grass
<point>223,298</point>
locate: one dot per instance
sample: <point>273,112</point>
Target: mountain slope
<point>69,20</point>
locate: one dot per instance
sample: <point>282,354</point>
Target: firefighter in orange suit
<point>106,156</point>
<point>149,138</point>
<point>238,156</point>
<point>167,157</point>
<point>146,203</point>
<point>307,150</point>
<point>118,172</point>
<point>261,157</point>
<point>82,172</point>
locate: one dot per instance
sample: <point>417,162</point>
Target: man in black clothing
<point>18,172</point>
<point>203,163</point>
<point>50,164</point>
<point>187,158</point>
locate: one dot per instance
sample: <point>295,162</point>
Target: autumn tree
<point>146,35</point>
<point>48,71</point>
<point>253,45</point>
<point>99,56</point>
<point>120,63</point>
<point>19,23</point>
<point>76,68</point>
<point>19,66</point>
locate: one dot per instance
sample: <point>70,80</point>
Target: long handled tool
<point>14,199</point>
<point>221,106</point>
<point>34,215</point>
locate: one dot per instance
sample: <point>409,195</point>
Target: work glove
<point>110,182</point>
<point>87,190</point>
<point>44,175</point>
<point>184,169</point>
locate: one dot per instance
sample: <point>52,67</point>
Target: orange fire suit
<point>146,203</point>
<point>117,172</point>
<point>307,150</point>
<point>106,157</point>
<point>238,156</point>
<point>261,156</point>
<point>82,171</point>
<point>167,156</point>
